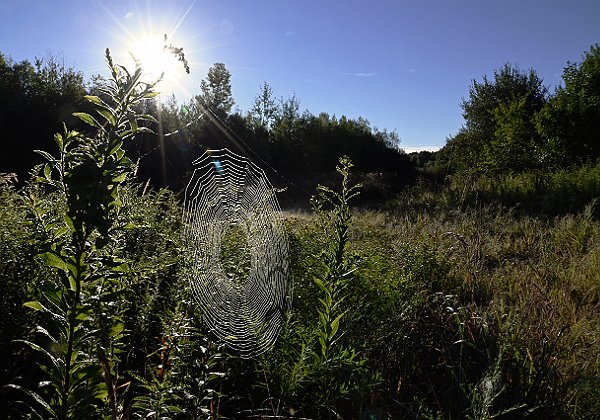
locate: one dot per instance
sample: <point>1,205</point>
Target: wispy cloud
<point>360,74</point>
<point>290,33</point>
<point>129,15</point>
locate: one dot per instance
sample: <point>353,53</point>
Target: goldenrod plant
<point>80,329</point>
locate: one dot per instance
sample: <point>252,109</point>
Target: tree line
<point>513,124</point>
<point>295,147</point>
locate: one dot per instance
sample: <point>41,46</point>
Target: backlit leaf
<point>53,260</point>
<point>86,118</point>
<point>35,305</point>
<point>108,116</point>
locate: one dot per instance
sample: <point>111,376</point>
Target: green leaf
<point>120,153</point>
<point>116,329</point>
<point>55,361</point>
<point>61,232</point>
<point>45,332</point>
<point>319,283</point>
<point>145,130</point>
<point>150,95</point>
<point>86,118</point>
<point>47,170</point>
<point>115,147</point>
<point>120,178</point>
<point>101,393</point>
<point>53,260</point>
<point>336,324</point>
<point>126,134</point>
<point>36,397</point>
<point>323,346</point>
<point>134,125</point>
<point>116,203</point>
<point>58,138</point>
<point>72,282</point>
<point>35,305</point>
<point>108,116</point>
<point>96,100</point>
<point>148,117</point>
<point>45,154</point>
<point>121,268</point>
<point>69,223</point>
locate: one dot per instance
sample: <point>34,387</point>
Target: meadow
<point>469,298</point>
<point>472,311</point>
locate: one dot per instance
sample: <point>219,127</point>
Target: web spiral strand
<point>243,302</point>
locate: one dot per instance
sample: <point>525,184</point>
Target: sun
<point>155,55</point>
<point>158,40</point>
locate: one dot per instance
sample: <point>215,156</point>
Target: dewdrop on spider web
<point>238,251</point>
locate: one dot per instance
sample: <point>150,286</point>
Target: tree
<point>509,84</point>
<point>35,100</point>
<point>499,116</point>
<point>286,120</point>
<point>216,91</point>
<point>570,122</point>
<point>516,145</point>
<point>264,109</point>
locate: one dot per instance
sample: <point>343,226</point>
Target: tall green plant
<point>337,265</point>
<point>337,365</point>
<point>80,329</point>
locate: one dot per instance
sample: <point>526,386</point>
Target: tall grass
<point>555,192</point>
<point>479,300</point>
<point>469,313</point>
<point>474,313</point>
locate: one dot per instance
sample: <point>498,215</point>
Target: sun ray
<point>184,16</point>
<point>146,34</point>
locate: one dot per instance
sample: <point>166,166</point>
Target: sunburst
<point>153,40</point>
<point>153,54</point>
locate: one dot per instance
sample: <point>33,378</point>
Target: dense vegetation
<point>296,148</point>
<point>512,124</point>
<point>471,293</point>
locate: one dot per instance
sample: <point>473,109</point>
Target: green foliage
<point>287,118</point>
<point>216,91</point>
<point>315,369</point>
<point>451,313</point>
<point>512,125</point>
<point>19,275</point>
<point>183,383</point>
<point>569,121</point>
<point>516,146</point>
<point>337,364</point>
<point>264,108</point>
<point>547,193</point>
<point>509,84</point>
<point>297,144</point>
<point>82,338</point>
<point>499,134</point>
<point>235,255</point>
<point>36,99</point>
<point>456,308</point>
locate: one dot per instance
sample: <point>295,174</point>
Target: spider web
<point>243,293</point>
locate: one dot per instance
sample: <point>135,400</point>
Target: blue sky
<point>403,65</point>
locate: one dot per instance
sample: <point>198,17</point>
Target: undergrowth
<point>459,303</point>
